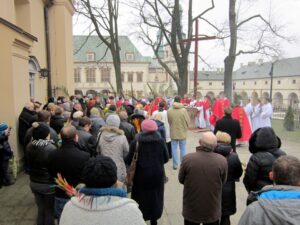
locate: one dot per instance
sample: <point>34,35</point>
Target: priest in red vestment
<point>240,115</point>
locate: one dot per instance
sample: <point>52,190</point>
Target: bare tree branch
<point>205,11</point>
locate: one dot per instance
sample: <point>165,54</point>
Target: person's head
<point>123,115</point>
<point>112,108</point>
<point>286,171</point>
<point>40,131</point>
<point>99,172</point>
<point>95,112</point>
<point>208,141</point>
<point>58,111</point>
<point>51,108</point>
<point>69,133</point>
<point>265,100</point>
<point>50,99</point>
<point>113,121</point>
<point>3,128</point>
<point>77,115</point>
<point>43,116</point>
<point>228,111</point>
<point>149,126</point>
<point>29,106</point>
<point>77,107</point>
<point>37,105</point>
<point>177,99</point>
<point>85,123</point>
<point>223,137</point>
<point>161,104</point>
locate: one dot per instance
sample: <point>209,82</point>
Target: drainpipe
<point>47,6</point>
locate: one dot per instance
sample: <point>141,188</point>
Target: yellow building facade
<point>36,40</point>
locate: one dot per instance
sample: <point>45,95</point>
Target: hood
<point>148,136</point>
<point>223,149</point>
<point>41,143</point>
<point>281,210</point>
<point>103,203</point>
<point>263,139</point>
<point>109,134</point>
<point>177,105</point>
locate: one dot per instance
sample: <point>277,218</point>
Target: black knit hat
<point>40,131</point>
<point>100,172</point>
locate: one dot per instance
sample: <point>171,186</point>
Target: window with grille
<point>122,76</point>
<point>90,75</point>
<point>130,77</point>
<point>77,78</point>
<point>129,56</point>
<point>139,76</point>
<point>210,83</point>
<point>105,74</point>
<point>90,56</point>
<point>294,81</point>
<point>278,82</point>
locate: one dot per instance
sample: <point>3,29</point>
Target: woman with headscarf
<point>148,183</point>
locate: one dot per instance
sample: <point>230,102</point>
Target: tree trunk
<point>182,85</point>
<point>230,59</point>
<point>117,67</point>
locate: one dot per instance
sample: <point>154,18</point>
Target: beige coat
<point>179,121</point>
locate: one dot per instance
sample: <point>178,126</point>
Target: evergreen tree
<point>288,122</point>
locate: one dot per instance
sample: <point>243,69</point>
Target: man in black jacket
<point>128,128</point>
<point>230,126</point>
<point>69,161</point>
<point>57,121</point>
<point>86,141</point>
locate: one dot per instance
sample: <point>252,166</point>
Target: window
<point>254,82</point>
<point>222,83</point>
<point>77,78</point>
<point>105,75</point>
<point>278,82</point>
<point>130,77</point>
<point>266,82</point>
<point>139,76</point>
<point>244,82</point>
<point>129,56</point>
<point>156,79</point>
<point>122,76</point>
<point>210,83</point>
<point>294,81</point>
<point>90,56</point>
<point>90,75</point>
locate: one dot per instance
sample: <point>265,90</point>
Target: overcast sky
<point>282,12</point>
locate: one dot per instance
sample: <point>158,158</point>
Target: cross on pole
<point>197,38</point>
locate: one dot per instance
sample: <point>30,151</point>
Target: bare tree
<point>104,18</point>
<point>259,34</point>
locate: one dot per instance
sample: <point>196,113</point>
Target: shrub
<point>288,122</point>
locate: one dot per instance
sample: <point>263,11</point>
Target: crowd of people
<point>91,143</point>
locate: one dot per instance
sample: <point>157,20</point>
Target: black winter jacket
<point>128,129</point>
<point>86,141</point>
<point>5,150</point>
<point>26,118</point>
<point>97,123</point>
<point>231,127</point>
<point>69,162</point>
<point>263,145</point>
<point>37,153</point>
<point>235,171</point>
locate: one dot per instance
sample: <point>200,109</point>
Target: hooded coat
<point>113,143</point>
<point>179,121</point>
<point>263,145</point>
<point>275,205</point>
<point>148,183</point>
<point>235,171</point>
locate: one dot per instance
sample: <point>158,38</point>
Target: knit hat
<point>149,126</point>
<point>113,121</point>
<point>223,137</point>
<point>40,131</point>
<point>3,127</point>
<point>100,172</point>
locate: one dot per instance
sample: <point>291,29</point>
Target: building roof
<point>84,44</point>
<point>281,68</point>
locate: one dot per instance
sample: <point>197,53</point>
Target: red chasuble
<point>218,108</point>
<point>240,115</point>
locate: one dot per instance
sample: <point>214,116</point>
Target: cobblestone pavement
<point>17,205</point>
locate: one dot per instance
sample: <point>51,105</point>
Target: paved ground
<point>17,205</point>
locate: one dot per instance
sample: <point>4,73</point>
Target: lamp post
<point>271,85</point>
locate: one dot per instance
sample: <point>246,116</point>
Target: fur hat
<point>100,172</point>
<point>149,126</point>
<point>40,131</point>
<point>223,137</point>
<point>77,115</point>
<point>113,121</point>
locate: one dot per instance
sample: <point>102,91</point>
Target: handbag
<point>132,168</point>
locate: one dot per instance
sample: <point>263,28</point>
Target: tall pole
<point>271,85</point>
<point>196,59</point>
